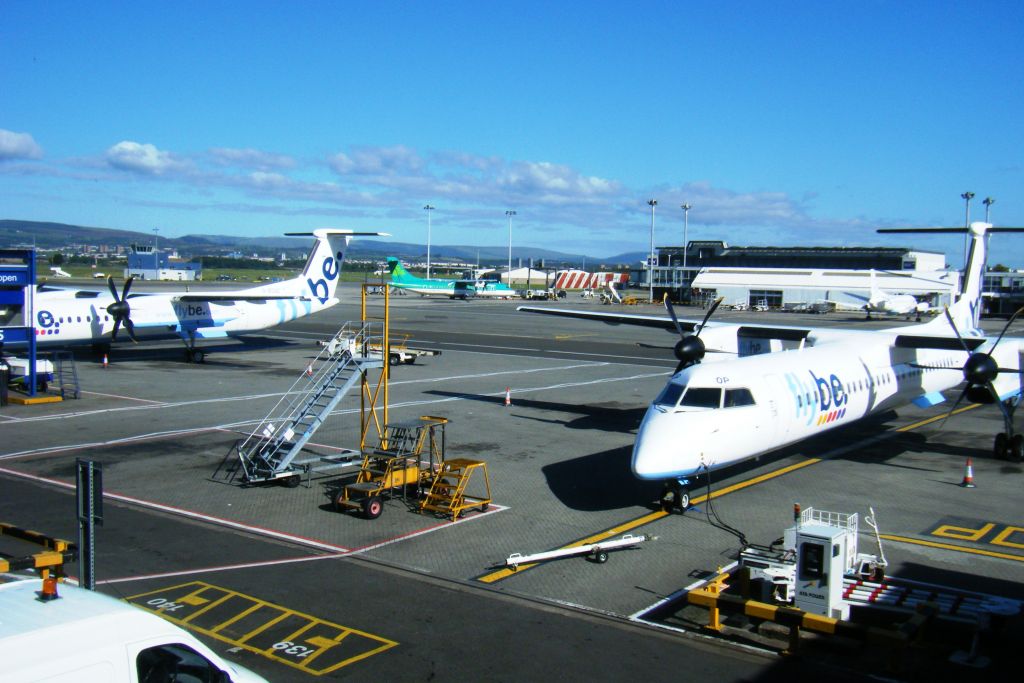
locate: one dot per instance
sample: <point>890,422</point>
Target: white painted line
<point>224,568</point>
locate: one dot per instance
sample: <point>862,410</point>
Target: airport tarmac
<point>428,598</point>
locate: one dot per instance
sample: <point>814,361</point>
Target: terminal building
<point>146,263</point>
<point>781,276</point>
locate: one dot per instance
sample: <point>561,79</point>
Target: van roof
<point>83,610</point>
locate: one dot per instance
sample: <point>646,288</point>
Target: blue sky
<point>807,123</point>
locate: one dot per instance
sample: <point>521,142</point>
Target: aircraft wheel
<point>1016,449</point>
<point>197,356</point>
<point>1000,447</point>
<point>373,507</point>
<point>675,497</point>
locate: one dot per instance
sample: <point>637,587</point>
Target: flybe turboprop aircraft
<point>65,317</point>
<point>778,385</point>
<point>454,289</point>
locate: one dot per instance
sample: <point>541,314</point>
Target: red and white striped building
<point>580,279</point>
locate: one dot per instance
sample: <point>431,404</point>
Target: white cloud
<point>143,158</point>
<point>18,146</point>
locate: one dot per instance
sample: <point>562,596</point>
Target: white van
<point>84,636</point>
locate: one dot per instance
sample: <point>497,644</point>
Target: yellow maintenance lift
<point>401,465</point>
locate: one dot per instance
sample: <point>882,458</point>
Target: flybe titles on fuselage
<point>819,400</point>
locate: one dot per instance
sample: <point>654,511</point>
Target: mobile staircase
<point>449,494</point>
<point>267,454</point>
<point>66,374</point>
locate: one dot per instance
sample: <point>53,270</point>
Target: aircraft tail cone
<point>968,482</point>
<point>508,396</point>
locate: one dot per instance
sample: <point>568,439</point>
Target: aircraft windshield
<point>738,397</point>
<point>700,397</point>
<point>670,394</point>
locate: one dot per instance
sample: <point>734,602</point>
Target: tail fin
<point>398,272</point>
<point>322,272</point>
<point>966,311</point>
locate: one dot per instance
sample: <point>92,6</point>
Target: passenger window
<point>698,397</point>
<point>738,397</point>
<point>176,662</point>
<point>669,396</point>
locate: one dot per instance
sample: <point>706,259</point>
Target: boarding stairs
<point>269,451</point>
<point>448,495</point>
<point>65,375</point>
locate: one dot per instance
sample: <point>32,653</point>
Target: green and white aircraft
<point>453,289</point>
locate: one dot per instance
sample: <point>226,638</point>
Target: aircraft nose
<point>657,451</point>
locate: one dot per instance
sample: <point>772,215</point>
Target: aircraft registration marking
<point>299,640</point>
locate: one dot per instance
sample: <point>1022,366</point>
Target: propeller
<point>980,370</point>
<point>120,311</point>
<point>690,349</point>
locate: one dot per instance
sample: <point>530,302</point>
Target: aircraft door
<point>777,396</point>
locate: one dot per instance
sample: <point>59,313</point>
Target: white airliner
<point>813,380</point>
<point>887,303</point>
<point>67,317</point>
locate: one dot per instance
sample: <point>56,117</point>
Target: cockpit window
<point>738,397</point>
<point>699,397</point>
<point>670,394</point>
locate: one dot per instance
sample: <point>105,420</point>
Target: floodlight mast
<point>510,213</point>
<point>429,209</point>
<point>650,258</point>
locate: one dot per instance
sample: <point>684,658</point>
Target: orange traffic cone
<point>508,396</point>
<point>309,370</point>
<point>104,361</point>
<point>968,482</point>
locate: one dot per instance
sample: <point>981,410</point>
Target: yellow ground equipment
<point>402,466</point>
<point>450,492</point>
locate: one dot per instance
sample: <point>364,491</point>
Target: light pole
<point>510,213</point>
<point>428,208</point>
<point>156,251</point>
<point>967,197</point>
<point>650,258</point>
<point>686,224</point>
<point>988,202</point>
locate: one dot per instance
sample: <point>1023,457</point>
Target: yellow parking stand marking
<point>962,533</point>
<point>1000,539</point>
<point>950,546</point>
<point>210,605</point>
<point>237,617</point>
<point>273,622</point>
<point>317,655</point>
<point>936,418</point>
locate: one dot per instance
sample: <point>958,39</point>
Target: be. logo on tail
<point>330,268</point>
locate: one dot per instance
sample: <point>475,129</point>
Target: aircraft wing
<point>743,330</point>
<point>240,296</point>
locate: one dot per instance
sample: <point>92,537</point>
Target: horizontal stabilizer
<point>908,341</point>
<point>959,231</point>
<point>337,231</point>
<point>928,400</point>
<point>613,318</point>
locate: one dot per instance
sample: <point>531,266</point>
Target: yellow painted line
<point>567,337</point>
<point>950,546</point>
<point>237,617</point>
<point>210,605</point>
<point>936,418</point>
<point>273,622</point>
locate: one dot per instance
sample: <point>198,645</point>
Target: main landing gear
<point>192,354</point>
<point>1009,446</point>
<point>676,495</point>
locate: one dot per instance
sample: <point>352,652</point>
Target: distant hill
<point>51,236</point>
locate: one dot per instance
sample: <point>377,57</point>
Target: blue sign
<point>12,335</point>
<point>14,277</point>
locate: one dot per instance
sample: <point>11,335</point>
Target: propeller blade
<point>644,345</point>
<point>128,325</point>
<point>113,289</point>
<point>963,395</point>
<point>956,331</point>
<point>1005,328</point>
<point>672,312</point>
<point>1002,406</point>
<point>117,326</point>
<point>711,311</point>
<point>933,367</point>
<point>127,286</point>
